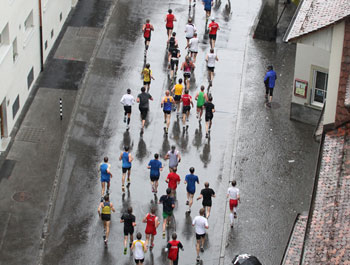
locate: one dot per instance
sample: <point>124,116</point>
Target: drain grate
<point>29,134</point>
<point>22,196</point>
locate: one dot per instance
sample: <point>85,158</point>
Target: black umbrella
<point>245,259</point>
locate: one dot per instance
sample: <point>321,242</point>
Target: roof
<point>313,15</point>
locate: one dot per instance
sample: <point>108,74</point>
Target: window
<point>29,22</point>
<point>61,16</point>
<point>319,90</point>
<point>14,50</point>
<point>45,45</point>
<point>15,107</point>
<point>51,33</point>
<point>30,77</point>
<point>4,36</point>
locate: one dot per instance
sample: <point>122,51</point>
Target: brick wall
<point>343,113</point>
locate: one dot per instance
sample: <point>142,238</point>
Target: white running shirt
<point>194,44</point>
<point>127,100</point>
<point>233,193</point>
<point>138,249</point>
<point>190,30</point>
<point>211,59</point>
<point>200,222</point>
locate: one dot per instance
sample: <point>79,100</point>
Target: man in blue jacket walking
<point>269,80</point>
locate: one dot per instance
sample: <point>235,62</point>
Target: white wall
<point>334,73</point>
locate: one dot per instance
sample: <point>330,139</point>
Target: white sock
<point>231,218</point>
<point>235,210</point>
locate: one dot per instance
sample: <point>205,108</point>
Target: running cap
<point>212,18</point>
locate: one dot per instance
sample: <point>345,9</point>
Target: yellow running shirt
<point>178,89</point>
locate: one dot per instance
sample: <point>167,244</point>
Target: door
<point>319,90</point>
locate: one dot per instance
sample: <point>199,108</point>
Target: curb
<point>57,179</point>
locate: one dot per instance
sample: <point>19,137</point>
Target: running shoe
<point>186,127</point>
<point>187,202</point>
<point>125,251</point>
<point>130,244</point>
<point>198,259</point>
<point>107,191</point>
<point>123,188</point>
<point>207,135</point>
<point>235,215</point>
<point>202,249</point>
<point>124,119</point>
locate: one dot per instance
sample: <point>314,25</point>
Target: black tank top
<point>172,42</point>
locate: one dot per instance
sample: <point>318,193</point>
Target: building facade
<point>28,30</point>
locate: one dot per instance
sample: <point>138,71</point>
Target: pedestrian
<point>187,67</point>
<point>147,29</point>
<point>213,28</point>
<point>105,215</point>
<point>168,207</point>
<point>206,194</point>
<point>210,59</point>
<point>155,167</point>
<point>201,98</point>
<point>177,91</point>
<point>139,248</point>
<point>190,29</point>
<point>169,19</point>
<point>147,76</point>
<point>105,176</point>
<point>129,221</point>
<point>207,8</point>
<point>209,115</point>
<point>174,157</point>
<point>173,180</point>
<point>152,223</point>
<point>172,43</point>
<point>270,81</point>
<point>166,104</point>
<point>173,248</point>
<point>143,99</point>
<point>201,224</point>
<point>193,47</point>
<point>190,180</point>
<point>233,195</point>
<point>174,61</point>
<point>186,108</point>
<point>127,101</point>
<point>126,159</point>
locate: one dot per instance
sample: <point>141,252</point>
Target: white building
<point>319,30</point>
<point>28,30</point>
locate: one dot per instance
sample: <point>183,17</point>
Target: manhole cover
<point>22,196</point>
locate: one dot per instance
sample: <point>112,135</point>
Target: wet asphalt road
<point>76,231</point>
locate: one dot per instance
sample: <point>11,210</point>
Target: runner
<point>155,166</point>
<point>129,222</point>
<point>213,28</point>
<point>126,159</point>
<point>189,3</point>
<point>207,7</point>
<point>127,101</point>
<point>190,29</point>
<point>169,19</point>
<point>139,248</point>
<point>233,195</point>
<point>173,248</point>
<point>186,108</point>
<point>201,98</point>
<point>174,157</point>
<point>147,29</point>
<point>177,90</point>
<point>107,208</point>
<point>168,207</point>
<point>174,61</point>
<point>206,193</point>
<point>173,44</point>
<point>173,180</point>
<point>191,180</point>
<point>209,115</point>
<point>270,81</point>
<point>200,223</point>
<point>106,175</point>
<point>166,104</point>
<point>211,58</point>
<point>187,67</point>
<point>151,228</point>
<point>143,99</point>
<point>193,47</point>
<point>147,76</point>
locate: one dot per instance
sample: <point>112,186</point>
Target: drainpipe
<point>41,38</point>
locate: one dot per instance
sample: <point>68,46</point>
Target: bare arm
<point>200,197</point>
<point>112,207</point>
<point>121,156</point>
<point>130,158</point>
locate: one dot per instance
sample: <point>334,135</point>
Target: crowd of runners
<point>178,95</point>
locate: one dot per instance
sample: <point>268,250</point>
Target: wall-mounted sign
<point>300,88</point>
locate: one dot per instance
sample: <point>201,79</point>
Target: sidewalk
<point>28,172</point>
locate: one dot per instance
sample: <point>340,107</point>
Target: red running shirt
<point>173,180</point>
<point>173,250</point>
<point>147,32</point>
<point>213,28</point>
<point>186,100</point>
<point>151,224</point>
<point>170,21</point>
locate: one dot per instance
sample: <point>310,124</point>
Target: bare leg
<point>103,184</point>
<point>125,241</point>
<point>184,119</point>
<point>123,179</point>
<point>198,247</point>
<point>147,239</point>
<point>107,229</point>
<point>156,185</point>
<point>168,120</point>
